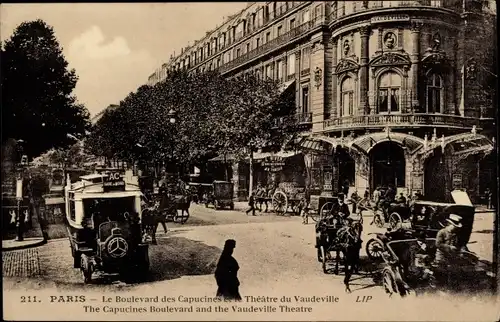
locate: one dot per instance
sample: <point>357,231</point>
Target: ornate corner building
<point>389,92</point>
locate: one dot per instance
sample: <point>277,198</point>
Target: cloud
<point>91,44</point>
<point>108,70</point>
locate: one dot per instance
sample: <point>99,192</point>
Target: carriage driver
<point>341,207</point>
<point>447,247</point>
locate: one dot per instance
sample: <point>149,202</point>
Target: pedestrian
<point>226,273</point>
<point>251,203</point>
<point>304,210</point>
<point>355,199</point>
<point>345,188</point>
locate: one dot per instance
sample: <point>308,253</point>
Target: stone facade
<point>409,69</point>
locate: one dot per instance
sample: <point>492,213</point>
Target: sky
<point>114,47</point>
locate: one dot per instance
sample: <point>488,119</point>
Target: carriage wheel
<point>323,259</point>
<point>395,221</point>
<point>378,219</point>
<point>389,281</point>
<point>374,249</point>
<point>280,203</point>
<point>87,269</point>
<point>325,210</point>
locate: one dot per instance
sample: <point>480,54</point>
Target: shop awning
<point>286,85</point>
<point>318,143</point>
<point>366,142</point>
<point>256,156</point>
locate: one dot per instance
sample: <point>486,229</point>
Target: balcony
<point>359,6</point>
<point>274,44</point>
<point>305,72</point>
<point>399,120</point>
<point>304,118</point>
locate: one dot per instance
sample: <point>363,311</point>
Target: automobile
<point>103,214</point>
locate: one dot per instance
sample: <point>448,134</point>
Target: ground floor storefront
<point>432,166</point>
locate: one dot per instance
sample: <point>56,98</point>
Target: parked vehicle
<point>103,213</point>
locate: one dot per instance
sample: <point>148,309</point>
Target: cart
<point>287,198</point>
<point>320,206</point>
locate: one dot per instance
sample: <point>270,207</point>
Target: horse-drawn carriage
<point>401,275</point>
<point>220,195</point>
<point>425,216</point>
<point>104,223</point>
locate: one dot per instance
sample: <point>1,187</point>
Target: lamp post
<point>172,119</point>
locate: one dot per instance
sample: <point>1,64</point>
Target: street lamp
<point>171,115</point>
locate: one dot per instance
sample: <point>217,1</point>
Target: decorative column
<point>364,108</point>
<point>334,76</point>
<point>415,64</point>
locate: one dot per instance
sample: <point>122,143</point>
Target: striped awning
<point>366,142</point>
<point>257,156</point>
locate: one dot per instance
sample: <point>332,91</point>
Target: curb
<point>25,246</point>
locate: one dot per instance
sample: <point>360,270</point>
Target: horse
<point>151,217</point>
<point>349,238</point>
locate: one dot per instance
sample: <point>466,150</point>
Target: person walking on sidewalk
<point>251,203</point>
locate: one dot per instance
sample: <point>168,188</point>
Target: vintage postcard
<point>248,161</point>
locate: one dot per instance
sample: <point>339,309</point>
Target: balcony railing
<point>275,43</point>
<point>304,118</point>
<point>413,119</point>
<point>360,6</point>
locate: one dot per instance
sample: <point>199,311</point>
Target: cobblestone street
<point>21,263</point>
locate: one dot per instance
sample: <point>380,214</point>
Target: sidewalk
<point>29,242</point>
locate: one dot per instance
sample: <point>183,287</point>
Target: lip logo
<point>117,247</point>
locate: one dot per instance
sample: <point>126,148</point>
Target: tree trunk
<point>250,181</point>
<point>226,170</point>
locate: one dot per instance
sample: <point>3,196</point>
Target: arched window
<point>347,97</point>
<point>389,92</point>
<point>434,94</point>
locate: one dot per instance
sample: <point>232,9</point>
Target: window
<point>317,11</point>
<point>71,203</point>
<point>347,97</point>
<point>279,66</point>
<point>268,71</point>
<point>218,62</point>
<point>279,30</point>
<point>305,16</point>
<point>268,36</point>
<point>291,64</point>
<point>237,53</point>
<point>389,92</point>
<point>258,43</point>
<point>248,47</point>
<point>306,54</point>
<point>292,24</point>
<point>305,99</point>
<point>434,94</point>
<point>437,3</point>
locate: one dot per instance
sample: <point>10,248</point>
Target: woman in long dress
<point>226,273</point>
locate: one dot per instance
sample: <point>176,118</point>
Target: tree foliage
<point>37,102</point>
<point>213,115</point>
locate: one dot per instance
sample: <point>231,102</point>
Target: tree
<point>37,104</point>
<point>258,115</point>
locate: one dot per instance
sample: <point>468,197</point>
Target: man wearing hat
<point>341,207</point>
<point>447,241</point>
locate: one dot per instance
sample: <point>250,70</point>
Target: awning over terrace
<point>257,156</point>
